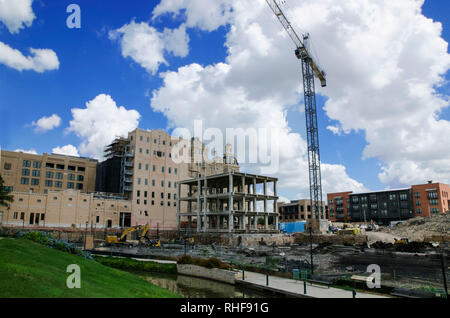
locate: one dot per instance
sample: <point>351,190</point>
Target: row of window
<point>37,165</point>
<point>138,194</point>
<point>153,202</point>
<point>155,141</point>
<point>50,183</point>
<point>175,170</point>
<point>432,210</point>
<point>51,175</point>
<point>169,183</point>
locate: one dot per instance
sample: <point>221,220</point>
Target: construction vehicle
<point>401,241</point>
<point>142,237</point>
<point>349,231</point>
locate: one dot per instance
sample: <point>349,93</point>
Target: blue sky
<point>91,63</point>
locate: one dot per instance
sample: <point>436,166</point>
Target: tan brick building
<point>23,172</point>
<point>140,176</point>
<point>68,208</point>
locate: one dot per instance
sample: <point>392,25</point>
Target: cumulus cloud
<point>239,93</point>
<point>16,14</point>
<point>67,150</point>
<point>384,61</point>
<point>31,151</point>
<point>40,60</point>
<point>46,123</point>
<point>100,123</point>
<point>147,46</point>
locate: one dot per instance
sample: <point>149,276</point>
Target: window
<point>153,202</point>
<point>70,185</point>
<point>141,138</point>
<point>140,166</point>
<point>48,183</point>
<point>162,169</point>
<point>174,196</point>
<point>59,166</point>
<point>138,193</point>
<point>15,215</point>
<point>71,168</point>
<point>36,173</point>
<point>71,177</point>
<point>140,150</point>
<point>403,196</point>
<point>59,175</point>
<point>168,184</point>
<point>153,182</point>
<point>139,181</point>
<point>418,203</point>
<point>162,183</point>
<point>35,182</point>
<point>145,202</point>
<point>26,163</point>
<point>162,203</point>
<point>417,195</point>
<point>97,219</point>
<point>168,196</point>
<point>146,181</point>
<point>170,170</point>
<point>24,181</point>
<point>7,166</point>
<point>162,195</point>
<point>434,202</point>
<point>80,178</point>
<point>49,175</point>
<point>419,211</point>
<point>146,167</point>
<point>145,194</point>
<point>50,165</point>
<point>138,201</point>
<point>153,194</point>
<point>154,168</point>
<point>25,172</point>
<point>331,201</point>
<point>175,170</point>
<point>81,169</point>
<point>58,184</point>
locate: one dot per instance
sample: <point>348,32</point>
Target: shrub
<point>46,239</point>
<point>208,263</point>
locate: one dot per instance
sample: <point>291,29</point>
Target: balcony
<point>129,164</point>
<point>126,188</point>
<point>129,154</point>
<point>128,172</point>
<point>128,180</point>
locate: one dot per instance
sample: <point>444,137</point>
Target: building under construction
<point>232,202</point>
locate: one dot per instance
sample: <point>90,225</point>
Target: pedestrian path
<point>296,287</point>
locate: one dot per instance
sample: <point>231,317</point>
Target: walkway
<point>295,288</point>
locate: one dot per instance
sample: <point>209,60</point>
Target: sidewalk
<point>296,288</point>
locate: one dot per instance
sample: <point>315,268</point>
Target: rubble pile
<point>419,228</point>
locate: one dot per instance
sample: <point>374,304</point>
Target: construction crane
<point>309,69</point>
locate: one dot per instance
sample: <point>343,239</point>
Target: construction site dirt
<point>419,270</point>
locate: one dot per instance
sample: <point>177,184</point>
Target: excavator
<point>143,240</point>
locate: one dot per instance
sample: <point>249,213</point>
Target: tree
<point>5,197</point>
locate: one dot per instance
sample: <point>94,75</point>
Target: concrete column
<point>266,222</point>
<point>254,185</point>
<point>230,203</point>
<point>265,187</point>
<point>178,208</point>
<point>199,205</point>
<point>205,205</point>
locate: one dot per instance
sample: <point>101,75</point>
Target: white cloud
<point>335,130</point>
<point>47,123</point>
<point>31,151</point>
<point>40,60</point>
<point>146,46</point>
<point>384,61</point>
<point>16,14</point>
<point>68,150</point>
<point>239,93</point>
<point>100,122</point>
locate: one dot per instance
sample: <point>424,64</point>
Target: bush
<point>134,265</point>
<point>208,263</point>
<point>46,239</point>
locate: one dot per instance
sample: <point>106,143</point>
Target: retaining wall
<point>208,273</point>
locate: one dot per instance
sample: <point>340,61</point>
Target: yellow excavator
<point>142,237</point>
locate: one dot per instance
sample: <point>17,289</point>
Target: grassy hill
<point>28,269</point>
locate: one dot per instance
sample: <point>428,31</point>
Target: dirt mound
<point>418,228</point>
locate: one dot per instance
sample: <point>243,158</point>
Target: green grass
<point>28,269</point>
